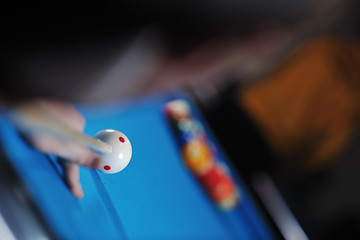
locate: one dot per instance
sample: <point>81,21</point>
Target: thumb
<point>68,150</point>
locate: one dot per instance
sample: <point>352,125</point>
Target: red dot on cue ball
<point>121,139</point>
<point>107,167</point>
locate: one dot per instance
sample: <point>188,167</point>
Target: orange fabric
<point>308,107</point>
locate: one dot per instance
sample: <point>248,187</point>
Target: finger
<point>64,112</point>
<point>72,179</point>
<point>70,151</point>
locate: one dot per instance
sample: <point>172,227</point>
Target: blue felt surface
<point>154,197</point>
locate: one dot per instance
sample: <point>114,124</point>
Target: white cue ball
<point>121,153</point>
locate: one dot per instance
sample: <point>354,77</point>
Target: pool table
<point>154,197</point>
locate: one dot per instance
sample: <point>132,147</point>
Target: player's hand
<point>75,154</point>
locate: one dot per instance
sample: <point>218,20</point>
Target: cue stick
<point>29,118</point>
